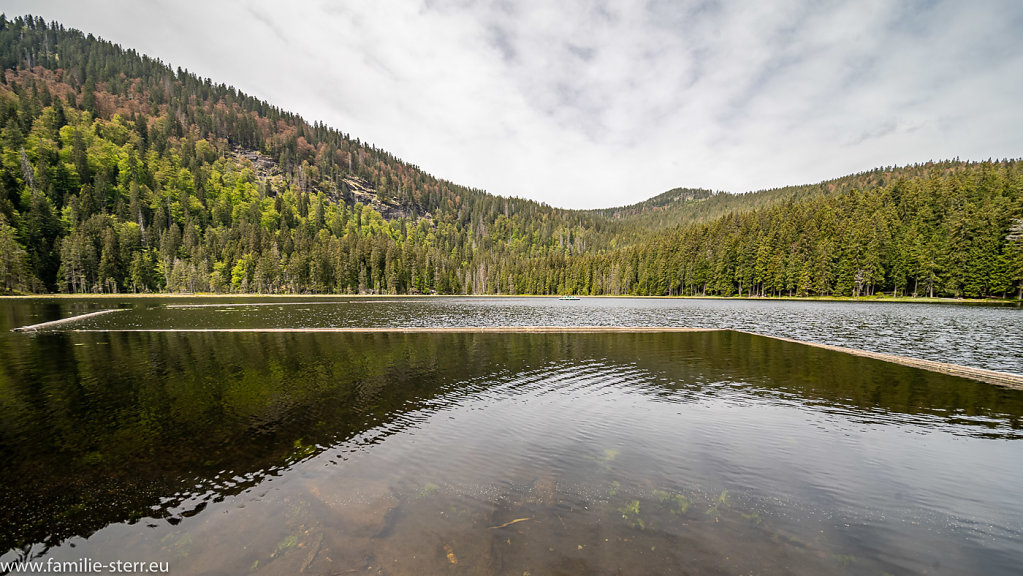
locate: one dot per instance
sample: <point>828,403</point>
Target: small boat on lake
<point>569,297</point>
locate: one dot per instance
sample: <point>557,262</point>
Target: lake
<point>555,453</point>
<point>982,336</point>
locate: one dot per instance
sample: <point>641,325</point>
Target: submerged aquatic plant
<point>429,489</point>
<point>630,513</point>
<point>676,503</point>
<point>844,560</point>
<point>301,450</point>
<point>722,501</point>
<point>288,542</point>
<point>606,457</point>
<point>181,543</point>
<point>753,517</point>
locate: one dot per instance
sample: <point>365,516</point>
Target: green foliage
<point>677,504</point>
<point>14,274</point>
<point>118,173</point>
<point>630,514</point>
<point>945,234</point>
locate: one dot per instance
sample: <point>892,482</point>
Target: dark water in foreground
<point>691,453</point>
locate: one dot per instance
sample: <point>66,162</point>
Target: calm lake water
<point>982,336</point>
<point>674,453</point>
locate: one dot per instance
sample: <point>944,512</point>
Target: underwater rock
<point>363,511</point>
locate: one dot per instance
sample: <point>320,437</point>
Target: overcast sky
<point>596,104</point>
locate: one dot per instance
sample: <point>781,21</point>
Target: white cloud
<point>587,104</point>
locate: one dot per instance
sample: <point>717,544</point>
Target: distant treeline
<point>119,174</point>
<point>939,235</point>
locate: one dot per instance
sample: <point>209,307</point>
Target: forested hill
<point>695,205</point>
<point>118,173</point>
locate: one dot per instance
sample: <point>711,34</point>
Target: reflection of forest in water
<point>104,427</point>
<point>980,335</point>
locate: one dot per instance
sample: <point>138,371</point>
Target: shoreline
<point>250,295</point>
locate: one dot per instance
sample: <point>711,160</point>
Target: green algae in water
<point>752,517</point>
<point>630,513</point>
<point>429,489</point>
<point>721,502</point>
<point>844,560</point>
<point>286,544</point>
<point>677,504</point>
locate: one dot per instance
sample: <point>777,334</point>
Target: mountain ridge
<point>31,60</point>
<point>121,174</point>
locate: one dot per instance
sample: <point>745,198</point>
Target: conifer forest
<point>121,174</point>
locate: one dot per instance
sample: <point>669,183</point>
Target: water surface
<point>981,336</point>
<point>328,453</point>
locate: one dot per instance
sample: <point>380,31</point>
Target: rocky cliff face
<point>350,190</point>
